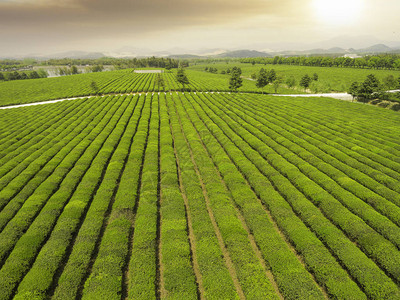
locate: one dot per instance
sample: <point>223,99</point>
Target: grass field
<point>126,81</point>
<point>199,196</point>
<point>330,79</point>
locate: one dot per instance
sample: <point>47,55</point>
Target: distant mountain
<point>347,41</point>
<point>375,49</point>
<point>378,48</point>
<point>77,54</point>
<point>243,54</point>
<point>207,51</point>
<point>178,53</point>
<point>334,50</point>
<point>184,56</point>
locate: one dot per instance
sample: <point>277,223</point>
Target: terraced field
<point>199,196</point>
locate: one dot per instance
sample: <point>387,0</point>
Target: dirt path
<point>39,103</point>
<point>339,96</point>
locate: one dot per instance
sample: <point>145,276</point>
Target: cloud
<point>44,25</point>
<point>127,16</point>
<point>74,21</point>
<point>29,15</point>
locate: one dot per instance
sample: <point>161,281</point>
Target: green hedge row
<point>376,129</point>
<point>350,141</point>
<point>283,270</point>
<point>55,250</point>
<point>27,232</point>
<point>368,176</point>
<point>17,123</point>
<point>119,222</point>
<point>109,241</point>
<point>320,167</point>
<point>178,280</point>
<point>251,276</point>
<point>33,132</point>
<point>44,163</point>
<point>215,278</point>
<point>142,278</point>
<point>276,168</point>
<point>372,243</point>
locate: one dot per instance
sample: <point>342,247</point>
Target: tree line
<point>235,81</point>
<point>372,88</point>
<point>14,64</point>
<point>384,61</point>
<point>118,63</point>
<point>72,70</point>
<point>15,75</point>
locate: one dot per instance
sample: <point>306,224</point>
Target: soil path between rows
<point>339,96</point>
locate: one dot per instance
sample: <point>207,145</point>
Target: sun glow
<point>338,12</point>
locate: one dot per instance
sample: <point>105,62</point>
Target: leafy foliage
<point>235,81</point>
<point>262,79</point>
<point>305,81</point>
<point>182,78</point>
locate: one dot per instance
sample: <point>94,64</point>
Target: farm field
<point>331,79</point>
<point>195,195</point>
<point>118,82</point>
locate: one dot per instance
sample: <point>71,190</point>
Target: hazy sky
<point>48,26</point>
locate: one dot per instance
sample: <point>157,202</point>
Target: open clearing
<point>199,195</point>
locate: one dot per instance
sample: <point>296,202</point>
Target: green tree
<point>160,82</point>
<point>74,70</point>
<point>291,82</point>
<point>61,71</point>
<point>184,63</point>
<point>305,81</point>
<point>271,76</point>
<point>314,87</point>
<point>373,83</point>
<point>67,71</point>
<point>396,64</point>
<point>354,89</point>
<point>235,81</point>
<point>315,77</point>
<point>237,69</point>
<point>168,66</point>
<point>97,68</point>
<point>277,83</point>
<point>390,82</point>
<point>34,75</point>
<point>94,87</point>
<point>262,80</point>
<point>14,76</point>
<point>182,78</point>
<point>2,76</point>
<point>364,92</point>
<point>23,75</point>
<point>253,76</point>
<point>368,88</point>
<point>42,73</point>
